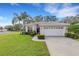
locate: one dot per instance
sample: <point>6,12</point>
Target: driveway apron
<point>62,46</point>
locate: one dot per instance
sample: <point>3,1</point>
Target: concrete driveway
<point>62,46</point>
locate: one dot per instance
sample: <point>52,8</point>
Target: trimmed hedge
<point>76,36</point>
<point>41,36</point>
<point>28,33</point>
<point>33,33</point>
<point>24,33</point>
<point>72,35</point>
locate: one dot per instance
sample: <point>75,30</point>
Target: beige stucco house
<point>48,28</point>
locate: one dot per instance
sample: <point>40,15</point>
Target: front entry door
<point>38,29</point>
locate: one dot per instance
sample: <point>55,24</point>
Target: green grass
<point>14,44</point>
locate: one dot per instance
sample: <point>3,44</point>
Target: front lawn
<point>14,44</point>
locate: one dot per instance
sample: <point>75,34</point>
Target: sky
<point>60,10</point>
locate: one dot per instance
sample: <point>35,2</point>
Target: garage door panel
<point>54,32</point>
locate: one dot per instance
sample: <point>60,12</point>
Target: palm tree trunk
<point>19,27</point>
<point>23,25</point>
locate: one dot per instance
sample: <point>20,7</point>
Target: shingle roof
<point>48,24</point>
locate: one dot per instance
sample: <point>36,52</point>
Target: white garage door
<point>54,32</point>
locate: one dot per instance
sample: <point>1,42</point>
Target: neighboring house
<point>2,29</point>
<point>48,28</point>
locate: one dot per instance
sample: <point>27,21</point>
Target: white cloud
<point>14,4</point>
<point>4,21</point>
<point>1,17</point>
<point>66,5</point>
<point>4,24</point>
<point>62,10</point>
<point>69,11</point>
<point>51,8</point>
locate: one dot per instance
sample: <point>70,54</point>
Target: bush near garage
<point>72,35</point>
<point>41,36</point>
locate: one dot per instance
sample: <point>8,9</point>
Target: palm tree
<point>53,18</point>
<point>24,18</point>
<point>14,21</point>
<point>50,18</point>
<point>38,18</point>
<point>46,18</point>
<point>17,17</point>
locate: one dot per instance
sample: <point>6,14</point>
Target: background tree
<point>9,27</point>
<point>14,20</point>
<point>17,27</point>
<point>1,28</point>
<point>46,18</point>
<point>17,18</point>
<point>38,18</point>
<point>25,19</point>
<point>53,18</point>
<point>50,18</point>
<point>22,18</point>
<point>71,19</point>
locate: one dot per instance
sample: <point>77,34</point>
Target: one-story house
<point>48,28</point>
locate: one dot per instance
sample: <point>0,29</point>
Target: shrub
<point>74,27</point>
<point>32,33</point>
<point>28,33</point>
<point>76,36</point>
<point>67,34</point>
<point>24,33</point>
<point>41,36</point>
<point>72,35</point>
